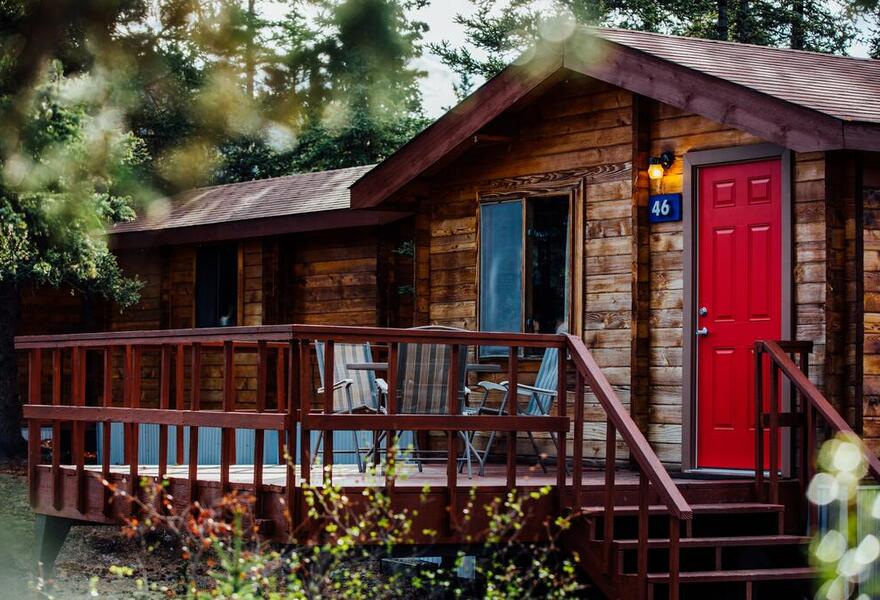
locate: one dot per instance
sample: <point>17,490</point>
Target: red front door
<point>739,287</point>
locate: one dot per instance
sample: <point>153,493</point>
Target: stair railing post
<point>643,534</point>
<point>578,450</point>
<point>608,522</point>
<point>674,556</point>
<point>774,432</point>
<point>759,425</point>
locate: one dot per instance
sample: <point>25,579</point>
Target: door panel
<point>739,282</point>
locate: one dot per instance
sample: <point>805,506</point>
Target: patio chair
<point>540,402</point>
<point>353,391</point>
<point>422,385</point>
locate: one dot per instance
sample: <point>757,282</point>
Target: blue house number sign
<point>663,208</point>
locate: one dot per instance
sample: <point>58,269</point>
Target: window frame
<point>575,192</point>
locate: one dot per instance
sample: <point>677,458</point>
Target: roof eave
<point>252,228</point>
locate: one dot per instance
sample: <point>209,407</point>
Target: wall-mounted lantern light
<point>658,164</point>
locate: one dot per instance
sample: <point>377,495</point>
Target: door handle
<point>702,331</point>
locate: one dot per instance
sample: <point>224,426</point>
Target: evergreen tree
<point>364,96</point>
<point>497,34</point>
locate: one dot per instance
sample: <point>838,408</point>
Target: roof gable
<point>728,83</point>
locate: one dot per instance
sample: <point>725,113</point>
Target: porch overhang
<point>252,228</point>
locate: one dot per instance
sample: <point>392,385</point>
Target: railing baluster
<point>674,556</point>
<point>227,435</point>
<point>577,476</point>
<point>289,448</point>
<point>610,473</point>
<point>57,482</point>
<point>305,394</point>
<point>35,373</point>
<point>106,431</point>
<point>78,447</point>
<point>194,405</point>
<point>281,401</point>
<point>644,515</point>
<point>329,384</point>
<point>179,393</point>
<point>562,436</point>
<point>759,424</point>
<point>262,368</point>
<point>164,403</point>
<point>391,409</point>
<point>774,433</point>
<point>452,408</point>
<point>134,402</point>
<point>512,383</point>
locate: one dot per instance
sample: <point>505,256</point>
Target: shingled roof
<point>804,101</point>
<point>843,87</point>
<point>274,197</point>
<point>292,203</point>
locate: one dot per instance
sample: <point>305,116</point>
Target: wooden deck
<point>632,518</point>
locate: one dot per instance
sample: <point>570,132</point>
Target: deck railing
<point>285,356</point>
<point>652,474</point>
<point>808,406</point>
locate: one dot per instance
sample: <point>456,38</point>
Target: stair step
<point>792,573</point>
<point>710,542</point>
<point>703,509</point>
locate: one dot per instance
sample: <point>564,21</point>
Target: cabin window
<point>524,275</point>
<point>216,286</point>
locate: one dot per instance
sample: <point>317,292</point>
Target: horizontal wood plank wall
<point>871,281</point>
<point>811,257</point>
<point>332,279</point>
<point>842,300</point>
<point>581,131</point>
<point>679,132</point>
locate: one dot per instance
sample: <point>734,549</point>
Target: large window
<point>524,275</point>
<point>216,286</point>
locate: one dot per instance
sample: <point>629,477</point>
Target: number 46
<point>661,208</point>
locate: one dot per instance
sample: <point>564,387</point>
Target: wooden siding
<point>332,278</point>
<point>871,301</point>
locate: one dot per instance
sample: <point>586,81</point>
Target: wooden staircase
<point>729,550</point>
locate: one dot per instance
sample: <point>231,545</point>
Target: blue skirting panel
<point>209,445</point>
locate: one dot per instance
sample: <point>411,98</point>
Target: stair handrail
<point>635,440</point>
<point>811,393</point>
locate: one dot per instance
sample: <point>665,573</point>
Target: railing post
<point>227,435</point>
<point>35,360</point>
<point>305,396</point>
<point>610,458</point>
<point>759,425</point>
<point>180,386</point>
<point>259,434</point>
<point>774,432</point>
<point>164,403</point>
<point>512,383</point>
<point>674,556</point>
<point>194,405</point>
<point>77,391</point>
<point>452,408</point>
<point>329,392</point>
<point>292,406</point>
<point>578,450</point>
<point>134,401</point>
<point>57,483</point>
<point>391,409</point>
<point>642,550</point>
<point>561,410</point>
<point>106,431</point>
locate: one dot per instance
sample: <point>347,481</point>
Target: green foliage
<point>338,554</point>
<point>72,173</point>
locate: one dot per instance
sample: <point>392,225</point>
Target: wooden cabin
<point>666,212</point>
